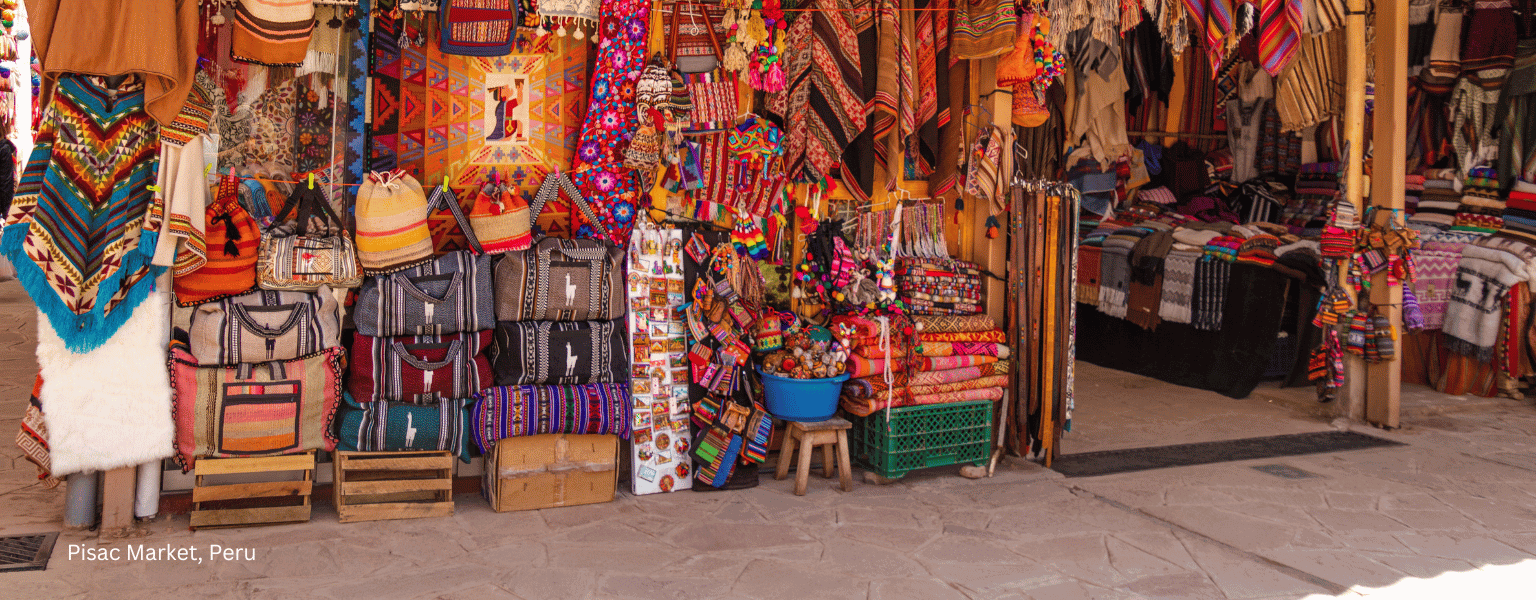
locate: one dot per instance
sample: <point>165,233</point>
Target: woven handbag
<point>280,407</point>
<point>264,326</point>
<point>313,251</point>
<point>477,27</point>
<point>448,295</point>
<point>393,426</point>
<point>712,90</point>
<point>392,231</point>
<point>562,280</point>
<point>419,369</point>
<point>548,352</point>
<point>524,410</point>
<point>230,263</point>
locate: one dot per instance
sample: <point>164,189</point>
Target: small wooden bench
<point>828,434</point>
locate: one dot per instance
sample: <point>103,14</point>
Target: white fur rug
<point>110,407</point>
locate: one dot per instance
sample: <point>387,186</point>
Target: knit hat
<point>272,32</point>
<point>392,230</point>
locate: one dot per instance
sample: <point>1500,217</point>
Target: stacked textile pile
<point>958,359</point>
<point>1481,210</point>
<point>939,287</point>
<point>421,348</point>
<point>1413,188</point>
<point>561,355</point>
<point>1316,188</point>
<point>1438,205</point>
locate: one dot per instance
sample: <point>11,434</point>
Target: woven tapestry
<point>437,114</point>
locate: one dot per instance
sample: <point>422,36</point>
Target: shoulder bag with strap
<point>449,294</point>
<point>548,352</point>
<point>419,369</point>
<point>230,246</point>
<point>562,280</point>
<point>711,90</point>
<point>301,259</point>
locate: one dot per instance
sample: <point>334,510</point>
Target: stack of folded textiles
<point>942,287</point>
<point>1316,188</point>
<point>962,359</point>
<point>1413,187</point>
<point>1520,210</point>
<point>1480,210</point>
<point>1438,204</point>
<point>1115,270</point>
<point>1224,247</point>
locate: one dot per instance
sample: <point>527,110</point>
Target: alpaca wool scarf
<point>1483,277</point>
<point>97,427</point>
<point>1178,286</point>
<point>76,232</point>
<point>1211,278</point>
<point>1114,280</point>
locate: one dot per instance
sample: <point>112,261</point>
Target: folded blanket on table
<point>995,335</point>
<point>1483,278</point>
<point>1114,280</point>
<point>939,349</point>
<point>1088,270</point>
<point>927,378</point>
<point>869,405</point>
<point>953,324</point>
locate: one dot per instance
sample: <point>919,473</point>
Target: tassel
<point>774,81</point>
<point>959,206</point>
<point>735,58</point>
<point>993,227</point>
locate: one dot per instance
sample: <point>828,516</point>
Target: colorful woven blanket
<point>77,232</point>
<point>936,349</point>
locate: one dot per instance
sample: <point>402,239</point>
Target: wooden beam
<point>1354,174</point>
<point>117,497</point>
<point>1388,168</point>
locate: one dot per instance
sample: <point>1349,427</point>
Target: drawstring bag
<point>230,246</point>
<point>501,220</point>
<point>712,91</point>
<point>392,231</point>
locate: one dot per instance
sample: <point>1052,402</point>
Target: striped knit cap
<point>392,230</point>
<point>273,32</point>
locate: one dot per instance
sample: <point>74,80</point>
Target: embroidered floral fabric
<point>600,174</point>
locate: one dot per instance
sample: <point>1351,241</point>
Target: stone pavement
<point>1450,513</point>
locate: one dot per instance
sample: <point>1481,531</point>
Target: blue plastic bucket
<point>805,400</point>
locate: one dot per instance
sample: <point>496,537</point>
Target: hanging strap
<point>446,198</point>
<point>559,181</point>
<point>709,27</point>
<point>308,203</point>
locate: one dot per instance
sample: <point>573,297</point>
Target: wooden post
<point>117,499</point>
<point>1354,174</point>
<point>1389,166</point>
<point>992,254</point>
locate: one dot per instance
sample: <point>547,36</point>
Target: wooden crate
<point>373,486</point>
<point>260,503</point>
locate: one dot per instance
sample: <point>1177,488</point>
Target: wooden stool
<point>833,431</point>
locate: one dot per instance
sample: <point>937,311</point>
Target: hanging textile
<point>599,171</point>
<point>1312,89</point>
<point>822,105</point>
<point>75,232</point>
<point>1279,34</point>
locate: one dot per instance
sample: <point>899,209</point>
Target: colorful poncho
<point>77,229</point>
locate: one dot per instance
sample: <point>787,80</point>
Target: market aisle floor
<point>1455,505</point>
<point>1117,410</point>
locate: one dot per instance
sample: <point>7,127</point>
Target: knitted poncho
<point>75,232</point>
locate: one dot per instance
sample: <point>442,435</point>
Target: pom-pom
<point>993,227</point>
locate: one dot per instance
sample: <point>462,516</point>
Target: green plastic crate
<point>919,437</point>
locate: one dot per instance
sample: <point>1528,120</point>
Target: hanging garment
<point>599,170</point>
<point>182,198</point>
<point>1312,89</point>
<point>983,28</point>
<point>272,32</point>
<point>1279,34</point>
<point>156,40</point>
<point>822,105</point>
<point>75,232</point>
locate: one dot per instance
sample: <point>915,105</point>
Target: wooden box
<point>373,486</point>
<point>258,503</point>
<point>546,471</point>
